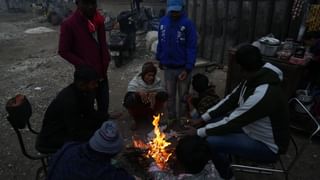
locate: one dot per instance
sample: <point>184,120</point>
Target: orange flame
<point>137,143</point>
<point>158,145</point>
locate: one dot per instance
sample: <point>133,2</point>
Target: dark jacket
<point>177,44</point>
<point>76,161</point>
<point>205,100</point>
<point>70,117</point>
<point>78,46</point>
<point>258,106</point>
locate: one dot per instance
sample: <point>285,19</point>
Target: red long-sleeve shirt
<point>79,47</point>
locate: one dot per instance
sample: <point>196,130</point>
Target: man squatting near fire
<point>83,43</point>
<point>145,96</point>
<point>251,122</point>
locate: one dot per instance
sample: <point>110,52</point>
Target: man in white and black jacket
<point>252,121</point>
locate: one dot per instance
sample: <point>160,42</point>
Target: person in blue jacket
<point>176,53</point>
<point>90,160</point>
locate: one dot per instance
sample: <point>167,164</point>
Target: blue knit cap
<point>174,5</point>
<point>107,139</point>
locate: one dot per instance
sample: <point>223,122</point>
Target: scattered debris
<point>151,37</point>
<point>38,30</point>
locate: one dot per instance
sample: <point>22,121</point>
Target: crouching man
<point>146,96</point>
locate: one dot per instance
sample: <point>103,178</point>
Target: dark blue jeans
<point>102,96</point>
<point>238,144</point>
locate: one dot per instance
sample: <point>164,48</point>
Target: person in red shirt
<point>83,42</point>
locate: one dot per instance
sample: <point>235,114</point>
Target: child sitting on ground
<point>206,96</point>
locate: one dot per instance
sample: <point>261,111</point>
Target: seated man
<point>92,160</point>
<point>145,96</point>
<point>193,155</point>
<point>71,115</point>
<point>253,121</point>
<point>206,96</point>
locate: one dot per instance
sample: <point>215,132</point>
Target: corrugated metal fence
<point>223,24</point>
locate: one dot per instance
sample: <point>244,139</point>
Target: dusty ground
<point>29,64</point>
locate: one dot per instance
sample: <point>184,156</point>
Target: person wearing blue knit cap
<point>176,53</point>
<point>90,160</point>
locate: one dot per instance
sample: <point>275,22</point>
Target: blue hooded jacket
<point>177,42</point>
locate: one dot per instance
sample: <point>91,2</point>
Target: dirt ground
<point>29,64</point>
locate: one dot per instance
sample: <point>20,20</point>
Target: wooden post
<point>304,13</point>
<point>287,20</point>
<point>7,4</point>
<point>214,19</point>
<point>238,24</point>
<point>252,28</point>
<point>186,7</point>
<point>225,26</point>
<point>270,15</point>
<point>194,11</point>
<point>203,27</point>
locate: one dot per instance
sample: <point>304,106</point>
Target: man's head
<point>174,8</point>
<point>87,7</point>
<point>193,153</point>
<point>200,83</point>
<point>249,58</point>
<point>148,72</point>
<point>107,139</point>
<point>86,79</point>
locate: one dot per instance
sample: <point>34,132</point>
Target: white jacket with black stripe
<point>258,106</point>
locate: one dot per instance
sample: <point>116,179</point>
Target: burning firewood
<point>137,157</point>
<point>157,150</point>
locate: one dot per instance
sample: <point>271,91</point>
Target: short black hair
<point>193,153</point>
<point>85,74</point>
<point>200,82</point>
<point>249,58</point>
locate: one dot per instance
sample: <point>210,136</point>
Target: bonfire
<point>156,147</point>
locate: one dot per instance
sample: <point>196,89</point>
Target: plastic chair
<point>314,121</point>
<point>19,110</point>
<point>279,166</point>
